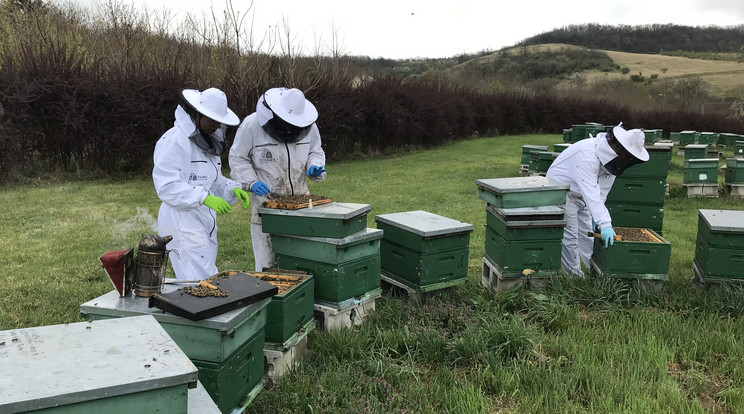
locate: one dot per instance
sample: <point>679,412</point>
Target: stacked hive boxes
<point>735,176</point>
<point>653,135</point>
<point>330,241</point>
<point>127,365</point>
<point>524,228</point>
<point>701,177</point>
<point>719,249</point>
<point>422,251</point>
<point>696,151</point>
<point>637,196</point>
<point>581,131</point>
<point>541,161</point>
<point>227,348</point>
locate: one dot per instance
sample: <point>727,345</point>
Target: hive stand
<point>703,282</point>
<point>346,314</point>
<point>653,285</point>
<point>279,359</point>
<point>492,278</point>
<point>701,190</point>
<point>735,190</point>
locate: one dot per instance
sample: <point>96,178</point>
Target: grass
<point>591,345</point>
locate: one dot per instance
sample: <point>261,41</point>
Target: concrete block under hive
<point>423,250</point>
<point>719,247</point>
<point>515,192</point>
<point>331,220</point>
<point>641,254</point>
<point>116,366</point>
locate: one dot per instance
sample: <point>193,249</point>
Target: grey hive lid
<point>723,221</point>
<point>332,210</point>
<point>365,235</point>
<point>696,146</point>
<point>111,304</point>
<point>424,224</point>
<point>57,365</point>
<point>520,184</point>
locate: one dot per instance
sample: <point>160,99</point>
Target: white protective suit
<point>581,166</point>
<point>184,175</point>
<point>256,156</point>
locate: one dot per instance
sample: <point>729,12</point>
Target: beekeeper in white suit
<point>275,148</point>
<point>188,180</point>
<point>589,167</point>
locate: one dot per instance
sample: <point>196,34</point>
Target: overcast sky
<point>400,29</point>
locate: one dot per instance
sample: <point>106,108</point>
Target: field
<point>591,345</point>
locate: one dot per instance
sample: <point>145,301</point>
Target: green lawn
<point>591,345</point>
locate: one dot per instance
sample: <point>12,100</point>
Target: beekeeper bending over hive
<point>188,179</point>
<point>274,149</point>
<point>589,167</point>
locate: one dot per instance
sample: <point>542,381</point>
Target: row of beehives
<point>524,230</point>
<point>726,139</point>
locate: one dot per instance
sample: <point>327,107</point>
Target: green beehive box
<point>560,147</point>
<point>696,151</point>
<point>327,250</point>
<point>118,366</point>
<point>735,170</point>
<point>702,171</point>
<point>213,339</point>
<point>657,166</point>
<point>727,139</point>
<point>567,135</point>
<point>675,136</point>
<point>649,216</point>
<point>513,257</point>
<point>289,312</point>
<point>526,223</point>
<point>441,268</point>
<point>638,190</point>
<point>708,138</point>
<point>526,152</point>
<point>630,259</point>
<point>653,135</point>
<point>424,232</point>
<point>721,228</point>
<point>332,220</point>
<point>719,262</point>
<point>688,137</point>
<point>514,192</point>
<point>338,282</point>
<point>229,381</point>
<point>739,149</point>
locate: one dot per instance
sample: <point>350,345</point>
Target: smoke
<point>134,228</point>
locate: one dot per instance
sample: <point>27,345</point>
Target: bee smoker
<point>144,272</point>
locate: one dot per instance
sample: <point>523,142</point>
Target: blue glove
<point>315,171</point>
<point>608,236</point>
<point>260,188</point>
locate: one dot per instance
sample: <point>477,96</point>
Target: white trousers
<point>263,250</point>
<point>576,245</point>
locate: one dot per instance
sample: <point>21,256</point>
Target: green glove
<point>217,204</point>
<point>242,195</point>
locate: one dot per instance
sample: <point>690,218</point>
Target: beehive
<point>708,138</point>
<point>688,137</point>
<point>526,223</point>
<point>515,192</point>
<point>541,161</point>
<point>527,149</point>
<point>696,151</point>
<point>223,346</point>
<point>125,365</point>
<point>701,171</point>
<point>638,190</point>
<point>333,220</point>
<point>424,250</point>
<point>629,214</point>
<point>291,310</point>
<point>653,135</point>
<point>739,149</point>
<point>719,248</point>
<point>735,170</point>
<point>633,258</point>
<point>560,147</point>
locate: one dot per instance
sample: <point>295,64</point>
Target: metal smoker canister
<point>152,257</point>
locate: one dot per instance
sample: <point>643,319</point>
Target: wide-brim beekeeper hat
<point>633,141</point>
<point>288,104</point>
<point>211,103</point>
